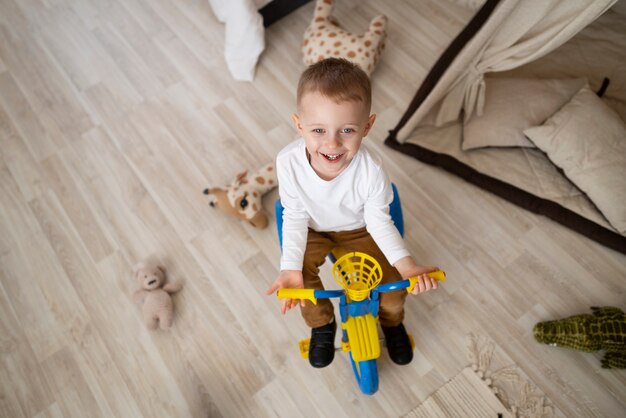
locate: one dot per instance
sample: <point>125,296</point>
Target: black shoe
<point>398,344</point>
<point>322,346</point>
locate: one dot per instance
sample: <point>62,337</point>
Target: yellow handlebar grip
<point>438,275</point>
<point>308,294</point>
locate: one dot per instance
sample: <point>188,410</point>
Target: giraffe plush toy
<point>324,39</point>
<point>242,198</point>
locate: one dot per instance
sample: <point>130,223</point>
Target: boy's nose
<point>333,141</point>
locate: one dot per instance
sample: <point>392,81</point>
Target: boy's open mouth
<point>331,157</point>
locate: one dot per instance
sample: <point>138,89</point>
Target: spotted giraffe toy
<point>324,38</point>
<point>242,198</point>
<point>603,329</point>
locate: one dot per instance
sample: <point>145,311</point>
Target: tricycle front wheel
<point>366,373</point>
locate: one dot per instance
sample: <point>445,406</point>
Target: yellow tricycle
<point>359,275</point>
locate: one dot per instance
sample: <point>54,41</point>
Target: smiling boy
<point>335,192</point>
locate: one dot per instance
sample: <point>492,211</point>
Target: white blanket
<point>244,39</point>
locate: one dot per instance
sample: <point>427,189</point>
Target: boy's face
<point>332,131</point>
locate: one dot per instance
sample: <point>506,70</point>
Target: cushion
<point>587,139</point>
<point>514,104</point>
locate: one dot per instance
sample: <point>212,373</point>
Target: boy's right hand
<point>291,279</point>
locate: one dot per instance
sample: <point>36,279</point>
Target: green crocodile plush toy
<point>604,329</point>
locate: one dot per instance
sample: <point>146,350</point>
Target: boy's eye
<point>347,131</point>
<point>318,130</point>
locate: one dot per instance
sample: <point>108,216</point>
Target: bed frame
<point>502,189</point>
<point>277,9</point>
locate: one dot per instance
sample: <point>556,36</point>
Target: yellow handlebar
<point>297,294</point>
<point>309,294</point>
<point>438,275</point>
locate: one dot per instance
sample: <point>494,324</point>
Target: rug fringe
<point>516,394</point>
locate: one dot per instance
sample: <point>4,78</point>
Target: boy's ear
<point>296,122</point>
<point>370,123</point>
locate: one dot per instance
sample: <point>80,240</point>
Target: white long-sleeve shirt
<point>359,196</point>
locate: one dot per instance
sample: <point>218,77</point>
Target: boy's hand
<point>291,279</point>
<point>408,268</point>
<point>424,283</point>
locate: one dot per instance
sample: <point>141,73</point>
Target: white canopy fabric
<point>517,32</point>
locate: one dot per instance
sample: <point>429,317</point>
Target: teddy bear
<point>324,38</point>
<point>242,198</point>
<point>154,295</point>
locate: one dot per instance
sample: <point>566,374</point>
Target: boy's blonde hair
<point>338,79</point>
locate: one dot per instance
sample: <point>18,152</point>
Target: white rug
<point>466,395</point>
<point>484,390</point>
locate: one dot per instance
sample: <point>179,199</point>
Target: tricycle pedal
<point>304,347</point>
<point>412,342</point>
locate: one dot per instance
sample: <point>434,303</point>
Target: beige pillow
<point>514,104</point>
<point>587,139</point>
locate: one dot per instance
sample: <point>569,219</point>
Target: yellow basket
<point>357,273</point>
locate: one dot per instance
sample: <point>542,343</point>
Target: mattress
<point>525,176</point>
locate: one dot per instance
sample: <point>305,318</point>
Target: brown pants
<point>319,244</point>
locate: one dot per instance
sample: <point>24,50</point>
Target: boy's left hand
<point>408,268</point>
<point>425,283</point>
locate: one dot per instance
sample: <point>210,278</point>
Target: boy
<point>336,193</point>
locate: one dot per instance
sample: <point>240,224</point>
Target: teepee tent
<point>501,36</point>
<point>504,34</point>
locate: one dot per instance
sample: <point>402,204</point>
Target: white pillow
<point>514,104</point>
<point>587,139</point>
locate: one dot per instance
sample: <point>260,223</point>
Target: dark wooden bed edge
<point>513,194</point>
<point>276,9</point>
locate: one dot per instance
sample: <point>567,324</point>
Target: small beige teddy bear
<point>324,38</point>
<point>243,197</point>
<point>158,309</point>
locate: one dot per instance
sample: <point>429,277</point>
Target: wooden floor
<point>116,114</point>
